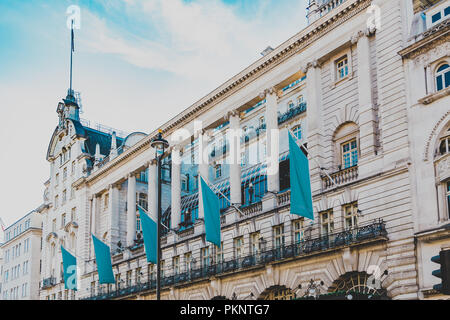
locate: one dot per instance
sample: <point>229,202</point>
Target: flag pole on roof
<point>301,196</point>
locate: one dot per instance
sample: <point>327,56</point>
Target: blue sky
<point>132,59</point>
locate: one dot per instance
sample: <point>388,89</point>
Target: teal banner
<point>103,259</point>
<point>301,196</point>
<point>150,235</point>
<point>211,208</point>
<point>69,269</point>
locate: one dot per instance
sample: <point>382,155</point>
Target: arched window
<point>442,77</point>
<point>346,141</point>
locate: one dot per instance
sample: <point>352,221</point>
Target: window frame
<point>441,74</point>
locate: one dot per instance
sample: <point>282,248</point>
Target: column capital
<point>312,64</point>
<point>367,32</point>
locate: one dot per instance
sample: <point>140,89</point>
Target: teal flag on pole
<point>211,208</point>
<point>69,269</point>
<point>150,235</point>
<point>103,259</point>
<point>301,196</point>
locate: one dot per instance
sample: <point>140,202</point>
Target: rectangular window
<point>54,225</point>
<point>342,68</point>
<point>65,173</point>
<point>219,253</point>
<point>73,168</point>
<point>129,274</point>
<point>64,196</point>
<point>351,216</point>
<point>349,154</point>
<point>436,17</point>
<point>56,201</point>
<point>254,243</point>
<point>63,220</point>
<point>187,261</point>
<point>73,214</point>
<point>218,171</point>
<point>298,230</point>
<point>326,222</point>
<point>138,275</point>
<point>206,260</point>
<point>278,236</point>
<point>238,247</point>
<point>151,272</point>
<point>57,179</point>
<point>176,264</point>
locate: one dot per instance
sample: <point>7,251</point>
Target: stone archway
<point>277,293</point>
<point>359,283</point>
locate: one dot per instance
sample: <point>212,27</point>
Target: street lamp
<point>160,145</point>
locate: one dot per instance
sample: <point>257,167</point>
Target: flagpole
<point>71,54</point>
<point>217,189</point>
<point>145,211</point>
<point>314,159</point>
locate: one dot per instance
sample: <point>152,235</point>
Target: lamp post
<point>160,145</point>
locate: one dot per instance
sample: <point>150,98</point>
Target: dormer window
<point>442,77</point>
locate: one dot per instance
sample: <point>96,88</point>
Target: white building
<point>364,85</point>
<point>21,258</point>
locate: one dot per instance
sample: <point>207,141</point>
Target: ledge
<point>435,96</point>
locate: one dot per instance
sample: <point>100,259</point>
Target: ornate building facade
<point>364,86</point>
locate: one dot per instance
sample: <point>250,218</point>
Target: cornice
<point>431,38</point>
<point>265,64</point>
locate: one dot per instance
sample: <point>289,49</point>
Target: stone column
<point>314,123</point>
<point>131,210</point>
<point>203,166</point>
<point>273,143</point>
<point>94,215</point>
<point>153,190</point>
<point>234,159</point>
<point>367,114</point>
<point>176,188</point>
<point>114,216</point>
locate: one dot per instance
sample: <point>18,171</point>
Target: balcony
<point>48,283</point>
<point>284,198</point>
<point>312,244</point>
<point>293,112</point>
<point>252,208</point>
<point>341,177</point>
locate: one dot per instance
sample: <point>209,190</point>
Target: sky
<point>137,64</point>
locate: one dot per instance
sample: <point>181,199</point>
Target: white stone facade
<point>372,124</point>
<point>21,258</point>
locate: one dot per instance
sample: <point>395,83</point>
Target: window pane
<point>439,84</point>
<point>447,79</point>
<point>436,17</point>
<point>447,11</point>
<point>443,67</point>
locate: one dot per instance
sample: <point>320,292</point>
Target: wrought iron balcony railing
<point>48,283</point>
<point>300,108</point>
<point>373,231</point>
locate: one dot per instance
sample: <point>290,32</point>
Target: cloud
<point>205,39</point>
